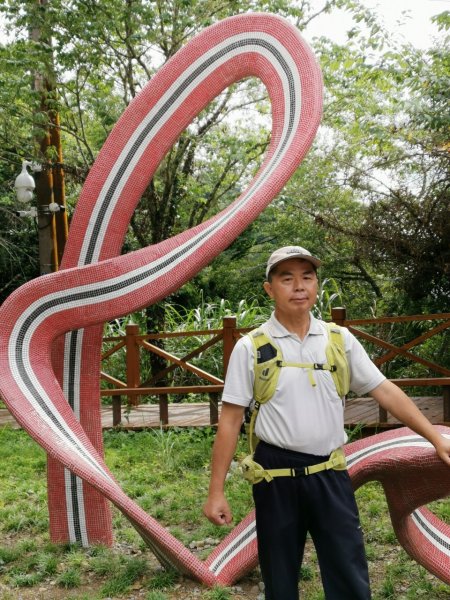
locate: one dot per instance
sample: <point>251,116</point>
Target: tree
<point>19,259</point>
<point>377,181</point>
<point>371,198</point>
<point>104,52</point>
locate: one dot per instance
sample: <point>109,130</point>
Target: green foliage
<point>374,181</point>
<point>164,579</point>
<point>218,593</point>
<point>329,295</point>
<point>102,563</point>
<point>370,198</point>
<point>70,578</point>
<point>130,570</point>
<point>306,573</point>
<point>156,595</point>
<point>208,316</point>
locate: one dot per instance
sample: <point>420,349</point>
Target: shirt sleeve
<point>364,375</point>
<point>238,388</point>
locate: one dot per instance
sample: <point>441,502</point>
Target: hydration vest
<point>269,362</point>
<point>267,368</point>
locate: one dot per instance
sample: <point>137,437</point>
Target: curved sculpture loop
<point>51,327</point>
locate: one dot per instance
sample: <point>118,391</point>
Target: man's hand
<point>443,449</point>
<point>217,510</point>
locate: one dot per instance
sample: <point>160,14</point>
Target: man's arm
<point>395,401</point>
<point>216,508</point>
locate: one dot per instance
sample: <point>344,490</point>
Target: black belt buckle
<point>295,472</point>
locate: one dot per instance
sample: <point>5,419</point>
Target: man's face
<point>293,286</point>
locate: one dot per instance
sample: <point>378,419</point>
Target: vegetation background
<point>371,199</point>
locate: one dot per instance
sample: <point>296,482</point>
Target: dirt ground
<point>248,589</point>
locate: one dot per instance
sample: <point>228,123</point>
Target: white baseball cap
<point>290,252</point>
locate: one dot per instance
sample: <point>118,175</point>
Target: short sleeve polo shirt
<point>300,416</point>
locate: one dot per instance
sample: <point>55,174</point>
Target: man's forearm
<point>225,444</point>
<point>223,452</point>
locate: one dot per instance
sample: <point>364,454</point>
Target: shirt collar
<point>277,330</point>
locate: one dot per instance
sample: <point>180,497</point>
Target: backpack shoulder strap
<point>336,356</point>
<point>267,360</point>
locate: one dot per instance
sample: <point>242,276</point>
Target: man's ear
<point>268,289</point>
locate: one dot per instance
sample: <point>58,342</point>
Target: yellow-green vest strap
<point>336,356</point>
<point>255,473</point>
<point>252,439</point>
<point>267,372</point>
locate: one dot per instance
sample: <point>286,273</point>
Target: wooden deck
<point>358,411</point>
<point>365,410</point>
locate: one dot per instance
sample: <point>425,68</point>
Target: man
<point>300,426</point>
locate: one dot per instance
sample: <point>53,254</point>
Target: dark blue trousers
<point>322,504</point>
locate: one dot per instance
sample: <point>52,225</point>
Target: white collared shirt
<point>300,417</point>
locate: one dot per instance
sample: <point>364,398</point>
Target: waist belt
<point>254,473</point>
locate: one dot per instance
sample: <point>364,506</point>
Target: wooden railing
<point>132,388</point>
<point>442,380</point>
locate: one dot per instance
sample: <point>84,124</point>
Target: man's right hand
<point>217,510</point>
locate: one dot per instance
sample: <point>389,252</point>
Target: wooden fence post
<point>446,400</point>
<point>163,409</point>
<point>213,408</point>
<point>117,410</point>
<point>339,315</point>
<point>229,325</point>
<point>132,361</point>
<point>382,414</point>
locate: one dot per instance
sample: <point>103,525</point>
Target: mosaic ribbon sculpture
<point>51,328</point>
<point>412,475</point>
<point>250,45</point>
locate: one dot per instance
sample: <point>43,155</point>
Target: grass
<point>165,472</point>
